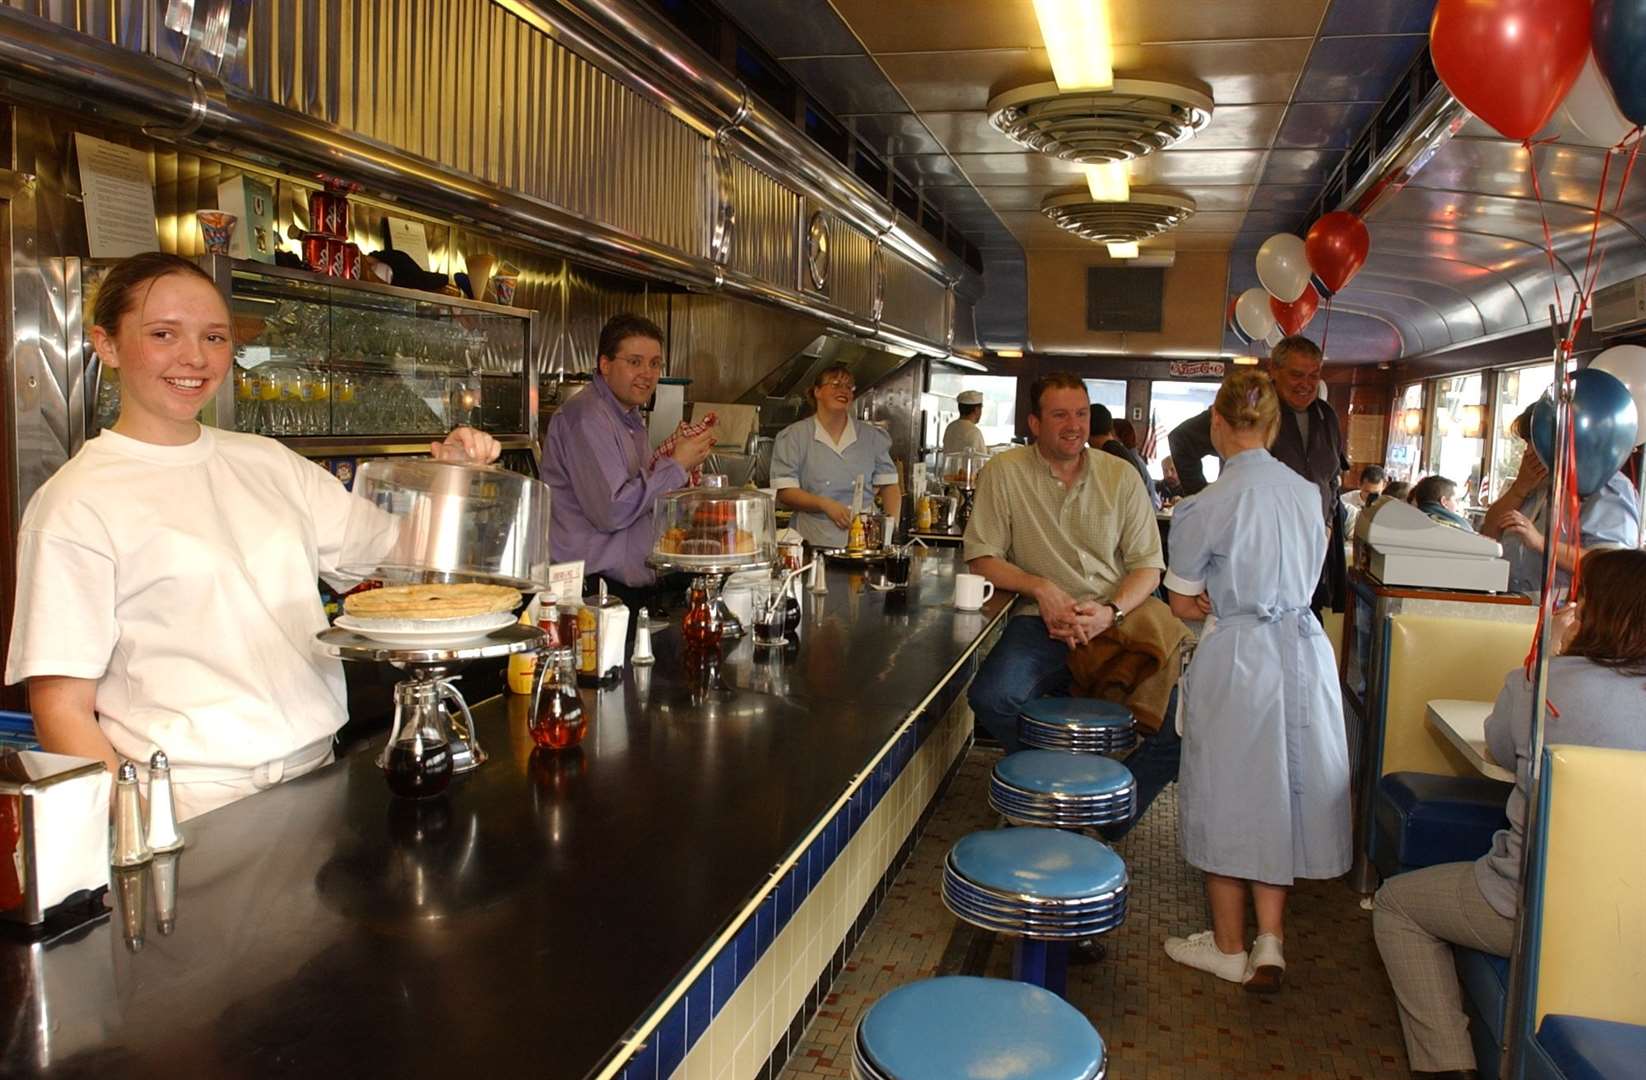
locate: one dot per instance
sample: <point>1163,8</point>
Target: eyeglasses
<point>634,360</point>
<point>840,384</point>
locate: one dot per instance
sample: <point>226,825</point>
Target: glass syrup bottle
<point>558,721</point>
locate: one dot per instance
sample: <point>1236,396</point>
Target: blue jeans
<point>1025,664</point>
<point>1154,764</point>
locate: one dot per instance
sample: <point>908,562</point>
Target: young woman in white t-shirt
<point>166,593</point>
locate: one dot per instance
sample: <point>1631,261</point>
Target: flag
<point>1149,433</point>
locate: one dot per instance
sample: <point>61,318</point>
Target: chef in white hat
<point>963,433</point>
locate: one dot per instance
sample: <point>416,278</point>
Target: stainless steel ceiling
<point>1457,254</point>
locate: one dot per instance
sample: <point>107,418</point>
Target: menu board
<point>119,199</point>
<point>1366,437</point>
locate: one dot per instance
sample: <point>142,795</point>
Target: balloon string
<point>1565,524</point>
<point>1548,237</point>
<point>1629,145</point>
<point>1326,331</point>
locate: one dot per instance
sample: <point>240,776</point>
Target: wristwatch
<point>1119,616</point>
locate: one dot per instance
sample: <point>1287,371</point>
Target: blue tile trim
<point>690,1018</point>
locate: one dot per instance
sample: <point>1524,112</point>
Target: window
<point>1406,435</point>
<point>999,419</point>
<point>1109,393</point>
<point>1517,388</point>
<point>1171,403</point>
<point>1458,445</point>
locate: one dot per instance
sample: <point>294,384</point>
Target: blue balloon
<point>1617,30</point>
<point>1604,426</point>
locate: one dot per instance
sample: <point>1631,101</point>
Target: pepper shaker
<point>130,847</point>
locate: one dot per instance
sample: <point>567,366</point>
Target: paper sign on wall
<point>119,198</point>
<point>566,581</point>
<point>411,237</point>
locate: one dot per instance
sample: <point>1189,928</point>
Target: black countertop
<point>524,921</point>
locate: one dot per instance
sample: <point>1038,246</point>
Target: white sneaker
<point>1201,952</point>
<point>1266,966</point>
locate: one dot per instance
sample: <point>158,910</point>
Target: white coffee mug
<point>971,591</point>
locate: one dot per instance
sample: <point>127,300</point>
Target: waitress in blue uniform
<point>1264,786</point>
<point>816,462</point>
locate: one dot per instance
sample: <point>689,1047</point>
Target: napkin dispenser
<point>54,831</point>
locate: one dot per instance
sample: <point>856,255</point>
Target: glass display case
<point>334,365</point>
<point>703,529</point>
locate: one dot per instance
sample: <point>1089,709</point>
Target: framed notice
<point>119,199</point>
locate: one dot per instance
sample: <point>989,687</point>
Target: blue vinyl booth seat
<point>1585,1049</point>
<point>1421,819</point>
<point>1485,981</point>
<point>959,1026</point>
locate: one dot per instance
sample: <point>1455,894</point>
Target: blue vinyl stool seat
<point>958,1025</point>
<point>1062,790</point>
<point>1420,819</point>
<point>1582,1048</point>
<point>1047,886</point>
<point>1084,725</point>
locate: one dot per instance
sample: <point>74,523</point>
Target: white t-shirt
<point>183,580</point>
<point>963,434</point>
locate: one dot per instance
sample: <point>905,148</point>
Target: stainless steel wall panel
<point>766,241</point>
<point>851,267</point>
<point>915,301</point>
<point>726,346</point>
<point>126,23</point>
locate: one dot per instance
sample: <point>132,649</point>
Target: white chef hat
<point>970,397</point>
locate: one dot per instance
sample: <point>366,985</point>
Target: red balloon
<point>1336,246</point>
<point>1510,62</point>
<point>1293,317</point>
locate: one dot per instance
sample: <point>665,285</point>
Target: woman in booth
<point>817,461</point>
<point>166,593</point>
<point>1264,786</point>
<point>1597,697</point>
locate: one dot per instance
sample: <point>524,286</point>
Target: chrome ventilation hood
<point>782,394</point>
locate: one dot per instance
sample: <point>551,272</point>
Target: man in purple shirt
<point>597,463</point>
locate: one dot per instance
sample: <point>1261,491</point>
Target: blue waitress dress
<point>1263,793</point>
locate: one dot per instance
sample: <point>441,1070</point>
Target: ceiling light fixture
<point>1109,181</point>
<point>1246,361</point>
<point>1009,354</point>
<point>1134,118</point>
<point>1077,37</point>
<point>1149,212</point>
<point>1123,251</point>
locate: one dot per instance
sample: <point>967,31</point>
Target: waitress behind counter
<point>816,462</point>
<point>166,574</point>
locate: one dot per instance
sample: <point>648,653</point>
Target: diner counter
<point>534,917</point>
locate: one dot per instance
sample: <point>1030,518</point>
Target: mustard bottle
<point>854,538</point>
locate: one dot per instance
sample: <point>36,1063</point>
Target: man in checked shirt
<point>598,463</point>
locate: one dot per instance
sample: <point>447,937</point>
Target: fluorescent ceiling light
<point>1122,251</point>
<point>1009,354</point>
<point>1109,182</point>
<point>1077,37</point>
<point>961,362</point>
<point>1246,361</point>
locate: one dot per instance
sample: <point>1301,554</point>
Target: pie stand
<point>425,522</point>
<point>712,533</point>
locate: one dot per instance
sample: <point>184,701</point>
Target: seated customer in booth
<point>1519,520</point>
<point>600,468</point>
<point>1596,697</point>
<point>1372,481</point>
<point>1263,794</point>
<point>1071,531</point>
<point>166,574</point>
<point>1437,497</point>
<point>817,461</point>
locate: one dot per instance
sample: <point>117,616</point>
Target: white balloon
<point>1627,364</point>
<point>1589,114</point>
<point>1283,267</point>
<point>1253,314</point>
<point>1276,336</point>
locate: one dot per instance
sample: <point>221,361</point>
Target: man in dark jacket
<point>1105,439</point>
<point>1310,441</point>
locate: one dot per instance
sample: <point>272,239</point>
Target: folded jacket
<point>1136,663</point>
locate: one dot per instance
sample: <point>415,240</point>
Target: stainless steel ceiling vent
<point>1136,117</point>
<point>1149,212</point>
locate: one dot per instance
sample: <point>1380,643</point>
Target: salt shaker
<point>162,833</point>
<point>642,641</point>
<point>819,583</point>
<point>130,847</point>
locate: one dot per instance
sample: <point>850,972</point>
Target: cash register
<point>1399,544</point>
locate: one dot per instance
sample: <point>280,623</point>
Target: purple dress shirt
<point>595,462</point>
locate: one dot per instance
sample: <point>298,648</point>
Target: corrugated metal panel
<point>915,301</point>
<point>470,86</point>
<point>851,268</point>
<point>725,345</point>
<point>120,22</point>
<point>766,240</point>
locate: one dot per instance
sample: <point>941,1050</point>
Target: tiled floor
<point>1335,1018</point>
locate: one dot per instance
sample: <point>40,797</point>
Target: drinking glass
<point>768,614</point>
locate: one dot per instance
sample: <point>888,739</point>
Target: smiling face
<point>1062,425</point>
<point>172,348</point>
<point>833,392</point>
<point>1296,375</point>
<point>633,371</point>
